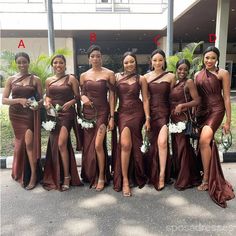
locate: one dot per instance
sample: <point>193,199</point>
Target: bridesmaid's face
<point>59,65</point>
<point>22,64</point>
<point>210,60</point>
<point>129,64</point>
<point>158,61</point>
<point>95,58</point>
<point>182,71</point>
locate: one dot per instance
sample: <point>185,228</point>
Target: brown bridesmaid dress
<point>53,169</point>
<point>211,113</point>
<point>160,112</point>
<point>96,91</point>
<point>23,119</point>
<point>187,173</point>
<point>131,115</point>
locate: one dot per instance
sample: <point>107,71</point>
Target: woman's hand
<point>111,124</point>
<point>178,109</point>
<point>67,105</point>
<point>147,125</point>
<point>24,102</point>
<point>226,128</point>
<point>85,100</point>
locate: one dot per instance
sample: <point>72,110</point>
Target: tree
<point>40,66</point>
<point>187,53</point>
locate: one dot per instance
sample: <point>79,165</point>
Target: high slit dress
<point>53,170</point>
<point>131,116</point>
<point>23,119</point>
<point>160,113</point>
<point>96,91</point>
<point>211,112</point>
<point>186,167</point>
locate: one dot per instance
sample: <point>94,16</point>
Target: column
<point>222,19</point>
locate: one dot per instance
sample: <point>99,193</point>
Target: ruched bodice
<point>131,115</point>
<point>211,110</point>
<point>96,91</point>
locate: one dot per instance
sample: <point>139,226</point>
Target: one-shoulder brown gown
<point>96,91</point>
<point>160,112</point>
<point>23,119</point>
<point>187,173</point>
<point>211,113</point>
<point>131,115</point>
<point>53,169</point>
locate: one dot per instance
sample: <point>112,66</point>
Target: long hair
<point>161,52</point>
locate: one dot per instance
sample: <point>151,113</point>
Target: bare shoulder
<point>196,74</point>
<point>108,71</point>
<point>223,73</point>
<point>171,75</point>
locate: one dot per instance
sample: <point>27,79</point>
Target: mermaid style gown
<point>23,119</point>
<point>160,112</point>
<point>211,113</point>
<point>131,115</point>
<point>187,173</point>
<point>96,91</point>
<point>53,169</point>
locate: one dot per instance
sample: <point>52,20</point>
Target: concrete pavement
<point>83,211</point>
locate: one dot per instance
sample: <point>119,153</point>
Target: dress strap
<point>126,78</point>
<point>21,78</point>
<point>159,76</point>
<point>61,77</point>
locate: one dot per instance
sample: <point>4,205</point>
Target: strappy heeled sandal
<point>66,187</point>
<point>126,193</point>
<point>100,181</point>
<point>203,186</point>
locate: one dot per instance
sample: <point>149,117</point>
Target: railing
<point>86,6</point>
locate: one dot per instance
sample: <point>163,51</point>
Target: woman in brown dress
<point>25,119</point>
<point>160,83</point>
<point>129,166</point>
<point>210,82</point>
<point>183,97</point>
<point>95,84</point>
<point>62,90</point>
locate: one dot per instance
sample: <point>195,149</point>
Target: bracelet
<point>148,118</point>
<point>112,117</point>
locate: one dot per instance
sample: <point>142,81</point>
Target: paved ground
<point>82,211</point>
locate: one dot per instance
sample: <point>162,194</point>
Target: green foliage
<point>40,66</point>
<point>187,53</point>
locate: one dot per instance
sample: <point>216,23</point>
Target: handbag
<point>192,128</point>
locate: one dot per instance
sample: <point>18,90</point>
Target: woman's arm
<point>194,95</point>
<point>224,74</point>
<point>111,81</point>
<point>144,91</point>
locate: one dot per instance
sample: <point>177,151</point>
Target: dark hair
<point>58,56</point>
<point>161,52</point>
<point>181,62</point>
<point>22,54</point>
<point>132,55</point>
<point>93,48</point>
<point>212,49</point>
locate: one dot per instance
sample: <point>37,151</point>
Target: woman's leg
<point>29,140</point>
<point>100,156</point>
<point>205,149</point>
<point>126,146</point>
<point>162,147</point>
<point>62,146</point>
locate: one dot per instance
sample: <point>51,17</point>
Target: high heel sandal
<point>100,181</point>
<point>161,184</point>
<point>203,186</point>
<point>30,186</point>
<point>126,193</point>
<point>66,187</point>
